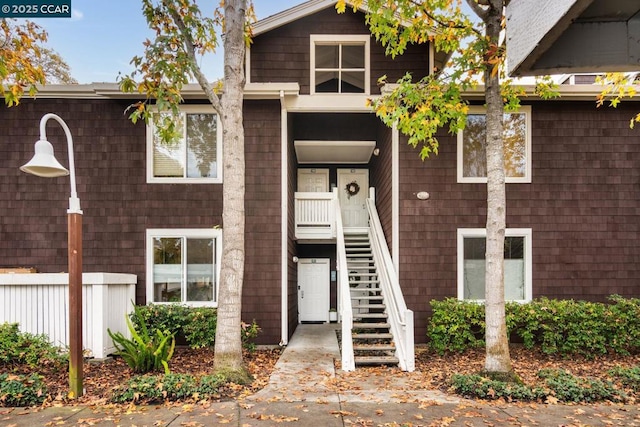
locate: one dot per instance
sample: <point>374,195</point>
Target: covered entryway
<point>353,187</point>
<point>313,290</point>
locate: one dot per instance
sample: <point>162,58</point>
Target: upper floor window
<point>472,160</point>
<point>193,155</point>
<point>472,244</point>
<point>183,265</point>
<point>340,64</point>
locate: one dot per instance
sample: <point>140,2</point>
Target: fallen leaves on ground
<point>101,377</point>
<point>434,371</point>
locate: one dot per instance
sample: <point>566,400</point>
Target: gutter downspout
<point>395,198</point>
<point>284,223</point>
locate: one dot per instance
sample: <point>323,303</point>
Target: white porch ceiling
<point>332,152</point>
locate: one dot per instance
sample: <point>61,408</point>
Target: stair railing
<point>344,293</point>
<point>400,318</point>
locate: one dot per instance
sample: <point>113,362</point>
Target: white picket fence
<point>39,303</point>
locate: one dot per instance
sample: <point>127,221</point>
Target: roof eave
<point>189,92</point>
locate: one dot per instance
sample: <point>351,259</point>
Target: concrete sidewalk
<point>304,390</point>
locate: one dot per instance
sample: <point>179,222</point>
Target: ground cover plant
<point>546,377</point>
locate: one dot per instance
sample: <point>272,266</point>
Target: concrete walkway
<point>306,390</point>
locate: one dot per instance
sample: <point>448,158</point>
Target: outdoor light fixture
<point>44,164</point>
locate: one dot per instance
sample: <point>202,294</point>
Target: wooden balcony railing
<point>315,216</point>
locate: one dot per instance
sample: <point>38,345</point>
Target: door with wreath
<point>353,188</point>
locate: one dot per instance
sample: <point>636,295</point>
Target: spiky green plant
<point>144,352</point>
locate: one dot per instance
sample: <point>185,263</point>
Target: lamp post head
<point>44,163</point>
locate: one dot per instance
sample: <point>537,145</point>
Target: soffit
<point>334,152</point>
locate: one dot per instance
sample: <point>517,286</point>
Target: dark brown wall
<point>119,206</point>
<point>262,290</point>
<point>582,206</point>
<point>282,54</point>
<point>380,171</point>
<point>292,275</point>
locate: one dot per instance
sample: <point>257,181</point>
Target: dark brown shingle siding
<point>283,54</point>
<point>582,206</point>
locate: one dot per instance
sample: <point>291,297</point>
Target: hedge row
<point>556,326</point>
<point>195,325</point>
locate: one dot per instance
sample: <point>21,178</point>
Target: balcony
<point>315,217</point>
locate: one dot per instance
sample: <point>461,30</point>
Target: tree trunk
<point>228,343</point>
<point>497,345</point>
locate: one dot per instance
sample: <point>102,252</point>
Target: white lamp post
<point>44,164</point>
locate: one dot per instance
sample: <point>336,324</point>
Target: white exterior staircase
<point>373,342</point>
<point>376,325</point>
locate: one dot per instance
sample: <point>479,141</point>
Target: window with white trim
<point>183,265</point>
<point>340,64</point>
<point>193,154</point>
<point>472,161</point>
<point>517,264</point>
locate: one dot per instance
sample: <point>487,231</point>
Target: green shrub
<point>162,317</point>
<point>456,325</point>
<point>249,332</point>
<point>21,390</point>
<point>568,326</point>
<point>171,387</point>
<point>568,388</point>
<point>144,352</point>
<point>23,348</point>
<point>477,386</point>
<point>629,377</point>
<point>559,384</point>
<point>196,324</point>
<point>556,326</point>
<point>623,315</point>
<point>210,384</point>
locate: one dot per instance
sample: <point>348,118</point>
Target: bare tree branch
<point>188,45</point>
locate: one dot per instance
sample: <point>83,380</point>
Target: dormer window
<point>340,64</point>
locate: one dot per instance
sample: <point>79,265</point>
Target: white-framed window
<point>517,264</point>
<point>472,161</point>
<point>340,64</point>
<point>183,266</point>
<point>194,155</point>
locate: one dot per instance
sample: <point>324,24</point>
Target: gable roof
<point>311,7</point>
<point>569,36</point>
<point>294,13</point>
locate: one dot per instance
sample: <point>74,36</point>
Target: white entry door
<point>353,189</point>
<point>313,180</point>
<point>313,290</point>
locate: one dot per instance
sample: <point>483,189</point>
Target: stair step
<point>378,306</point>
<point>363,282</point>
<point>356,293</point>
<point>371,325</point>
<point>376,360</point>
<point>370,316</point>
<point>366,297</point>
<point>372,336</point>
<point>374,347</point>
<point>359,262</point>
